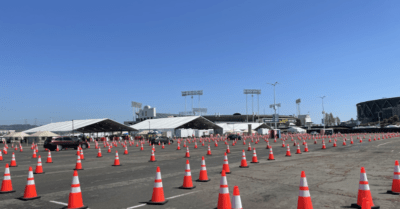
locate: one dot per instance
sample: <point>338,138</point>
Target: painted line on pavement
<point>384,143</point>
<point>60,203</point>
<point>137,206</point>
<point>168,198</point>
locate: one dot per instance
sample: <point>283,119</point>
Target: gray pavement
<point>332,174</point>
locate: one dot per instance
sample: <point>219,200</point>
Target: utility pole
<point>323,111</point>
<point>275,105</point>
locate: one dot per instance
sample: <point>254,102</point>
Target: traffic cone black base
<point>354,205</point>
<point>243,166</point>
<point>394,193</point>
<point>153,161</point>
<point>84,207</point>
<point>38,173</point>
<point>26,199</point>
<point>117,165</point>
<point>7,192</point>
<point>203,180</point>
<point>187,187</point>
<point>271,159</point>
<point>228,172</point>
<point>254,162</point>
<point>156,203</point>
<point>78,169</point>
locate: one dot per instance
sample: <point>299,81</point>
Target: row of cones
<point>30,193</point>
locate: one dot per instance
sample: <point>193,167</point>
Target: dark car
<point>161,140</point>
<point>234,137</point>
<point>64,142</point>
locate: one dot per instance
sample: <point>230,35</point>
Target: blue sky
<point>88,59</point>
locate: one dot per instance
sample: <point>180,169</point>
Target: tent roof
<point>17,134</point>
<point>86,126</point>
<point>193,122</point>
<point>238,126</point>
<point>44,134</point>
<point>263,125</point>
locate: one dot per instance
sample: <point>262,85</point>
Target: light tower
<point>192,93</point>
<point>134,106</point>
<point>298,101</point>
<point>275,105</point>
<point>252,92</point>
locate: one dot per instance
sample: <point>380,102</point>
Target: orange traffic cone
<point>227,149</point>
<point>116,161</point>
<point>209,150</point>
<point>5,150</point>
<point>30,188</point>
<point>304,200</point>
<point>178,146</point>
<point>224,200</point>
<point>195,144</point>
<point>1,156</point>
<point>365,204</point>
<point>236,201</point>
<point>152,157</point>
<point>283,143</point>
<point>298,149</point>
<point>78,165</point>
<point>306,148</point>
<point>243,162</point>
<point>288,152</point>
<point>49,159</point>
<point>268,146</point>
<point>271,155</point>
<point>126,150</point>
<point>6,186</point>
<point>344,142</point>
<point>187,155</point>
<point>75,196</point>
<point>396,179</point>
<point>141,147</point>
<point>158,191</point>
<point>203,171</point>
<point>162,147</point>
<point>323,144</point>
<point>334,143</point>
<point>82,156</point>
<point>13,161</point>
<point>34,154</point>
<point>39,168</point>
<point>99,153</point>
<point>57,149</point>
<point>364,191</point>
<point>249,148</point>
<point>109,149</point>
<point>187,179</point>
<point>254,159</point>
<point>225,165</point>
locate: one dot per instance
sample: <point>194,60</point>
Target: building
<point>374,110</point>
<point>305,120</point>
<point>149,113</point>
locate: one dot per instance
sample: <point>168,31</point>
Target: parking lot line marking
<point>136,206</point>
<point>180,195</point>
<point>60,203</point>
<point>383,144</point>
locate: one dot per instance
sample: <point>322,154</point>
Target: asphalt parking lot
<point>332,174</point>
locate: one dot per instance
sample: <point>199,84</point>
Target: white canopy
<point>44,134</point>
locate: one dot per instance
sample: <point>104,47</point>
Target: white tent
<point>237,127</point>
<point>295,129</point>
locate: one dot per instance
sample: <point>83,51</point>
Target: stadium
<point>375,110</point>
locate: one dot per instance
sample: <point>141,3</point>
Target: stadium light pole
<point>274,84</point>
<point>323,111</point>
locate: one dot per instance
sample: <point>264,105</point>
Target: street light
<point>274,84</point>
<point>323,111</point>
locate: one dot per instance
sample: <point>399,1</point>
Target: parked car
<point>234,137</point>
<point>64,142</point>
<point>314,133</point>
<point>155,140</point>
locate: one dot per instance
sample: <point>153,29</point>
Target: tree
<point>390,120</point>
<point>331,119</point>
<point>337,121</point>
<point>396,118</point>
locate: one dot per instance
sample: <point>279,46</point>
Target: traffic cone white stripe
<point>363,177</point>
<point>224,190</point>
<point>304,193</point>
<point>7,175</point>
<point>363,186</point>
